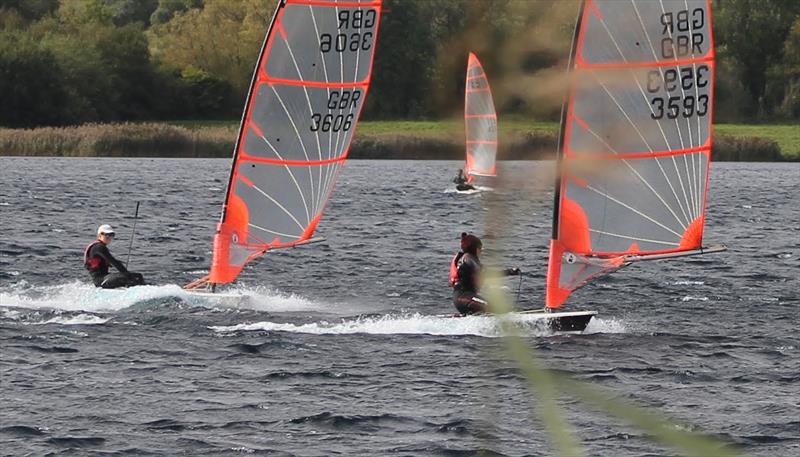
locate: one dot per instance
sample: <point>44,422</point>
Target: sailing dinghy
<point>305,98</point>
<point>635,146</point>
<point>480,123</point>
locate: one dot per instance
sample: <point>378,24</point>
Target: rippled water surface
<point>338,349</point>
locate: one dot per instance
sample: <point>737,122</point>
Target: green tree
<point>30,9</point>
<point>208,97</point>
<point>167,9</point>
<point>106,69</point>
<point>127,11</point>
<point>223,39</point>
<point>403,66</point>
<point>788,73</point>
<point>749,35</point>
<point>30,82</point>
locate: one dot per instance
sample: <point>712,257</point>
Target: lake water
<point>338,349</point>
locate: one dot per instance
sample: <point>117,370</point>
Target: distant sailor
<point>465,277</point>
<point>97,258</point>
<point>461,181</point>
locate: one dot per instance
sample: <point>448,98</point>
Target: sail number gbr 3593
<point>682,36</point>
<point>688,103</point>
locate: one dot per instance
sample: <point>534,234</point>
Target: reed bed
<point>118,140</point>
<point>217,140</point>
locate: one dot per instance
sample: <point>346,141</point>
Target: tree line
<point>67,62</point>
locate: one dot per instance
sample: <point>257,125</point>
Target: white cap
<point>105,228</point>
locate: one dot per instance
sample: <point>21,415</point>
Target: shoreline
<point>373,140</point>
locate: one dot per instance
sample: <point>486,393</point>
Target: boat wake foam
<point>79,296</point>
<point>258,298</point>
<point>606,325</point>
<point>82,297</point>
<point>392,324</point>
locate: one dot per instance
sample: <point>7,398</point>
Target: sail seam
<point>319,84</point>
<point>341,78</point>
<point>690,198</point>
<point>609,197</point>
<point>635,127</point>
<point>698,173</point>
<point>311,111</point>
<point>302,227</point>
<point>633,237</point>
<point>250,158</point>
<point>328,91</point>
<point>291,175</point>
<point>272,231</point>
<point>660,127</point>
<point>299,137</point>
<point>650,148</point>
<point>638,175</point>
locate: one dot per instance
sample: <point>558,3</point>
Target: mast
<point>253,79</point>
<point>563,122</point>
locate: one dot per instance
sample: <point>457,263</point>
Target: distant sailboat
<point>635,143</point>
<point>480,122</point>
<point>305,98</point>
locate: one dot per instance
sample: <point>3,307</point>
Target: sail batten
<point>636,143</point>
<point>480,122</point>
<point>307,93</point>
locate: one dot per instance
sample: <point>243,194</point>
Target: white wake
<point>409,324</point>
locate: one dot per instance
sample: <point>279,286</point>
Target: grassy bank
<point>519,139</point>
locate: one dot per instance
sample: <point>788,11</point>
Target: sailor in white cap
<point>97,258</point>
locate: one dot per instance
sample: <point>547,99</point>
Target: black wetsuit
<point>461,183</point>
<point>465,290</point>
<point>97,260</point>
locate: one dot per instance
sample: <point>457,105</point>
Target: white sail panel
<point>308,91</point>
<point>480,121</point>
<point>637,138</point>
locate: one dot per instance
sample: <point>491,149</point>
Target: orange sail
<point>307,92</point>
<point>635,149</point>
<point>480,120</point>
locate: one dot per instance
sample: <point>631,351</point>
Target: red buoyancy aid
<point>454,269</point>
<point>95,262</point>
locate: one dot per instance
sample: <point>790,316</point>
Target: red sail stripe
<point>296,82</point>
<point>331,4</point>
<point>582,65</point>
<point>244,157</point>
<point>573,157</point>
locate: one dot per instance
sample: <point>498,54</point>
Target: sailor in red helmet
<point>465,277</point>
<point>97,258</point>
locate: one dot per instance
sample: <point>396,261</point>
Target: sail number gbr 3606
<point>339,100</point>
<point>355,34</point>
<point>362,21</point>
